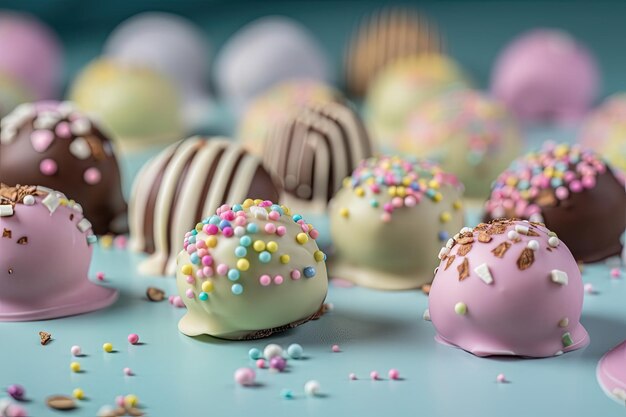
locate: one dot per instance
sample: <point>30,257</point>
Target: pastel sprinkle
<point>460,308</point>
<point>237,289</point>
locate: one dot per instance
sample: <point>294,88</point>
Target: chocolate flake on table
<point>526,259</point>
<point>6,233</point>
<point>484,237</point>
<point>464,249</point>
<point>155,294</point>
<point>463,269</point>
<point>23,240</point>
<point>60,402</point>
<point>501,249</point>
<point>45,338</point>
<point>449,262</point>
<point>134,412</point>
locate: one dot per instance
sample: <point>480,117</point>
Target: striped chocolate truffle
<point>311,153</point>
<point>185,182</point>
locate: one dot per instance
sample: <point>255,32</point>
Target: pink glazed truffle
<point>611,373</point>
<point>546,75</point>
<point>509,287</point>
<point>45,251</point>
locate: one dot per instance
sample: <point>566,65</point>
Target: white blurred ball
<point>312,388</point>
<point>272,350</point>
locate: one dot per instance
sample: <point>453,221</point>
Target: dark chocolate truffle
<point>311,153</point>
<point>52,144</point>
<point>570,189</point>
<point>188,181</point>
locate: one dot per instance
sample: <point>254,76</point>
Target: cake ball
<point>277,105</point>
<point>468,133</point>
<point>189,180</point>
<point>52,144</point>
<point>546,75</point>
<point>611,373</point>
<point>509,287</point>
<point>140,106</point>
<point>604,130</point>
<point>369,50</point>
<point>250,270</point>
<point>403,85</point>
<point>390,219</point>
<point>265,52</point>
<point>312,152</point>
<point>573,191</point>
<point>45,252</point>
<point>31,54</point>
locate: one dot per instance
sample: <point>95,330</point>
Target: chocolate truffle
<point>546,75</point>
<point>250,270</point>
<point>509,287</point>
<point>54,145</point>
<point>390,219</point>
<point>312,153</point>
<point>386,36</point>
<point>186,181</point>
<point>468,133</point>
<point>573,191</point>
<point>45,251</point>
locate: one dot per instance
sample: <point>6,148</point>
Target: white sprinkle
<point>84,225</point>
<point>521,229</point>
<point>258,212</point>
<point>443,252</point>
<point>536,217</point>
<point>312,388</point>
<point>533,245</point>
<point>239,231</point>
<point>558,353</point>
<point>467,230</point>
<point>77,207</point>
<point>426,315</point>
<point>619,393</point>
<point>483,272</point>
<point>65,108</point>
<point>80,126</point>
<point>92,239</point>
<point>6,210</point>
<point>29,200</point>
<point>51,202</point>
<point>553,241</point>
<point>513,235</point>
<point>45,121</point>
<point>450,243</point>
<point>564,322</point>
<point>559,277</point>
<point>80,148</point>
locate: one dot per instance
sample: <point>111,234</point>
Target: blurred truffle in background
<point>140,106</point>
<point>604,130</point>
<point>31,62</point>
<point>172,46</point>
<point>545,75</point>
<point>265,52</point>
<point>384,37</point>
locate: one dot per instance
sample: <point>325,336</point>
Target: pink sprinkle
<point>92,176</point>
<point>274,215</point>
<point>314,234</point>
<point>239,221</point>
<point>201,252</point>
<point>385,217</point>
<point>270,227</point>
<point>191,248</point>
<point>229,215</point>
<point>352,377</point>
<point>210,229</point>
<point>128,372</point>
<point>15,410</point>
<point>388,207</point>
<point>245,376</point>
<point>295,274</point>
<point>589,182</point>
<point>63,130</point>
<point>616,273</point>
<point>228,231</point>
<point>335,348</point>
<point>200,244</point>
<point>41,140</point>
<point>170,299</point>
<point>48,167</point>
<point>177,302</point>
<point>410,201</point>
<point>397,202</point>
<point>222,269</point>
<point>260,363</point>
<point>189,293</point>
<point>374,376</point>
<point>394,374</point>
<point>575,186</point>
<point>133,338</point>
<point>190,279</point>
<point>501,378</point>
<point>278,279</point>
<point>265,280</point>
<point>207,271</point>
<point>561,193</point>
<point>207,260</point>
<point>281,230</point>
<point>588,288</point>
<point>100,276</point>
<point>119,401</point>
<point>304,227</point>
<point>120,241</point>
<point>199,274</point>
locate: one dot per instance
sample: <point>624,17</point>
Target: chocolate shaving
<point>450,261</point>
<point>497,229</point>
<point>44,337</point>
<point>464,249</point>
<point>481,227</point>
<point>6,233</point>
<point>95,144</point>
<point>465,238</point>
<point>23,240</point>
<point>134,412</point>
<point>531,232</point>
<point>501,249</point>
<point>155,294</point>
<point>484,237</point>
<point>14,195</point>
<point>537,224</point>
<point>463,269</point>
<point>526,259</point>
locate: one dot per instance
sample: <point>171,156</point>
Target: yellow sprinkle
<point>401,191</point>
<point>106,241</point>
<point>199,227</point>
<point>131,400</point>
<point>319,255</point>
<point>359,191</point>
<point>248,202</point>
<point>107,347</point>
<point>561,150</point>
<point>284,259</point>
<point>346,182</point>
<point>310,226</point>
<point>511,181</point>
<point>344,212</point>
<point>258,245</point>
<point>548,171</point>
<point>370,181</point>
<point>392,191</point>
<point>286,209</point>
<point>207,286</point>
<point>433,184</point>
<point>257,201</point>
<point>437,197</point>
<point>406,181</point>
<point>243,264</point>
<point>271,246</point>
<point>558,174</point>
<point>302,238</point>
<point>457,205</point>
<point>187,269</point>
<point>445,217</point>
<point>211,241</point>
<point>75,366</point>
<point>78,393</point>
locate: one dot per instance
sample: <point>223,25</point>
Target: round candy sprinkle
<point>260,363</point>
<point>295,351</point>
<point>107,347</point>
<point>394,374</point>
<point>589,288</point>
<point>237,289</point>
<point>15,410</point>
<point>335,348</point>
<point>312,388</point>
<point>286,394</point>
<point>245,376</point>
<point>533,245</point>
<point>100,276</point>
<point>615,272</point>
<point>78,393</point>
<point>16,391</point>
<point>131,400</point>
<point>128,372</point>
<point>352,377</point>
<point>309,272</point>
<point>254,354</point>
<point>75,350</point>
<point>302,238</point>
<point>75,366</point>
<point>501,378</point>
<point>460,308</point>
<point>374,376</point>
<point>272,350</point>
<point>48,167</point>
<point>278,363</point>
<point>133,338</point>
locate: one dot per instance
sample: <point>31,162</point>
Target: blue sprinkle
<point>233,274</point>
<point>214,220</point>
<point>224,224</point>
<point>374,203</point>
<point>276,207</point>
<point>236,289</point>
<point>194,258</point>
<point>296,218</point>
<point>254,354</point>
<point>203,296</point>
<point>523,185</point>
<point>192,239</point>
<point>194,232</point>
<point>240,251</point>
<point>556,182</point>
<point>252,228</point>
<point>92,239</point>
<point>309,272</point>
<point>265,256</point>
<point>286,394</point>
<point>237,207</point>
<point>245,241</point>
<point>415,186</point>
<point>443,235</point>
<point>430,192</point>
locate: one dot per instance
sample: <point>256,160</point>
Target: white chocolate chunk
<point>426,315</point>
<point>553,241</point>
<point>6,210</point>
<point>483,273</point>
<point>51,201</point>
<point>559,277</point>
<point>523,230</point>
<point>84,225</point>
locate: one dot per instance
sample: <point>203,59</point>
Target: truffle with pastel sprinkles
<point>573,191</point>
<point>509,287</point>
<point>389,220</point>
<point>250,270</point>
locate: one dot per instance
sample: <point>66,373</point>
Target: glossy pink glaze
<point>519,312</point>
<point>48,276</point>
<point>611,373</point>
<point>545,75</point>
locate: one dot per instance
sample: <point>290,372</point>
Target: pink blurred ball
<point>133,338</point>
<point>278,363</point>
<point>546,75</point>
<point>335,348</point>
<point>245,376</point>
<point>394,374</point>
<point>128,372</point>
<point>15,410</point>
<point>374,375</point>
<point>260,363</point>
<point>501,378</point>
